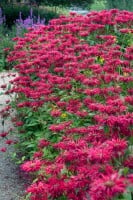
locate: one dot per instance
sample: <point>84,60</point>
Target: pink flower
<point>107,187</point>
<point>4,149</point>
<point>39,191</point>
<point>129,162</point>
<point>55,113</point>
<point>3,86</point>
<point>60,127</point>
<point>19,123</point>
<point>4,134</point>
<point>117,146</point>
<point>9,142</point>
<point>38,154</point>
<point>43,143</point>
<point>31,166</point>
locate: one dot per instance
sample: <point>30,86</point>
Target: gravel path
<point>11,181</point>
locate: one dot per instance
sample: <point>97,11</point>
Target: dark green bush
<point>12,13</point>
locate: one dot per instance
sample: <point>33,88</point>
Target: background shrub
<point>12,13</point>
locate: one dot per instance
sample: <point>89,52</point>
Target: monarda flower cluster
<point>75,76</point>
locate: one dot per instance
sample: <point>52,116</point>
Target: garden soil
<point>12,182</point>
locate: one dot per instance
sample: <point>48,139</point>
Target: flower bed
<point>74,103</point>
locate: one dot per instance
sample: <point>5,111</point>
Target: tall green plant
<point>120,4</point>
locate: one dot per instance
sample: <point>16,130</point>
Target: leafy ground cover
<point>74,102</point>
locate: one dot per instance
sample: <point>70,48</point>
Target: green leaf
<point>35,180</point>
<point>106,129</point>
<point>32,124</point>
<point>14,155</point>
<point>9,87</point>
<point>124,171</point>
<point>127,196</point>
<point>130,188</point>
<point>31,145</point>
<point>30,114</point>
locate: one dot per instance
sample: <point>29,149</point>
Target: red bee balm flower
<point>4,134</point>
<point>31,166</point>
<point>43,143</point>
<point>4,149</point>
<point>107,187</point>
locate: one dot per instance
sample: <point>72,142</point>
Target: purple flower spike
<point>29,22</point>
<point>31,13</point>
<point>2,18</point>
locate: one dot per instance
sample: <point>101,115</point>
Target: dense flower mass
<point>76,84</point>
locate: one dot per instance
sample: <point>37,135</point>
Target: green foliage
<point>98,5</point>
<point>5,42</point>
<point>68,3</point>
<point>120,4</point>
<point>128,194</point>
<point>110,4</point>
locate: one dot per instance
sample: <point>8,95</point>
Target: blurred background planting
<point>110,4</point>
